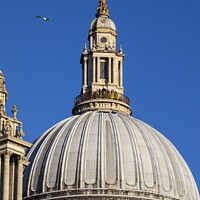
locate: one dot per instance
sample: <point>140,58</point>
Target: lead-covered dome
<point>99,155</point>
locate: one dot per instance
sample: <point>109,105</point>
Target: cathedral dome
<point>102,155</point>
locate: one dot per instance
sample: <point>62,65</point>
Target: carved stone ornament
<point>7,128</point>
<point>20,133</point>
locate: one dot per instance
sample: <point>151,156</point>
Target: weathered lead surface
<point>97,151</point>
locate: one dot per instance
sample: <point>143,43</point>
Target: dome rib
<point>163,163</point>
<point>65,149</point>
<point>149,168</point>
<point>73,152</point>
<point>134,150</point>
<point>160,165</point>
<point>54,156</point>
<point>82,150</point>
<point>178,173</point>
<point>91,152</point>
<point>191,183</point>
<point>42,159</point>
<point>127,153</point>
<point>112,154</point>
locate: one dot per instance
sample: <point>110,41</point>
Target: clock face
<point>103,39</point>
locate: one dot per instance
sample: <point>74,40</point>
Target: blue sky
<point>161,41</point>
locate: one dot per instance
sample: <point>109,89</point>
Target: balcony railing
<point>101,95</point>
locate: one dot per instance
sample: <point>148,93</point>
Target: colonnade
<point>11,176</point>
<point>114,74</point>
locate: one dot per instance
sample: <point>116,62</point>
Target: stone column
<point>85,71</point>
<point>19,177</point>
<point>94,69</point>
<point>91,42</point>
<point>98,69</point>
<point>6,174</point>
<point>109,70</point>
<point>12,178</point>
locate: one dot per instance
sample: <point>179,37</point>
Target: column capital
<point>6,153</point>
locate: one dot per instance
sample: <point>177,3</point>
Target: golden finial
<point>102,9</point>
<point>14,111</point>
<point>1,101</point>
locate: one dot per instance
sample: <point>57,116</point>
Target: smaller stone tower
<point>12,150</point>
<point>102,84</point>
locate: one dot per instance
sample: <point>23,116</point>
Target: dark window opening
<point>104,69</point>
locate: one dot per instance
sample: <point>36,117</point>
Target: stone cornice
<point>15,140</point>
<point>103,194</point>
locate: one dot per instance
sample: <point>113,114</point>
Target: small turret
<point>12,149</point>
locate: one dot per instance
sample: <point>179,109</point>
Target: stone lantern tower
<point>12,150</point>
<point>102,83</point>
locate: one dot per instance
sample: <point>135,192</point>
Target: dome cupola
<point>102,69</point>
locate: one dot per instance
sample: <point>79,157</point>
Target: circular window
<point>103,39</point>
